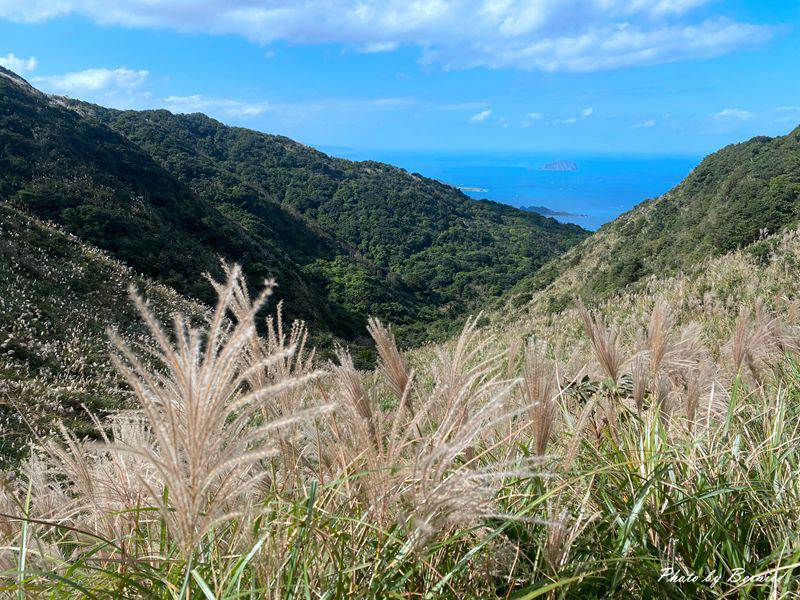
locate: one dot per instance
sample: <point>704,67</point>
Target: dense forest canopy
<point>170,194</point>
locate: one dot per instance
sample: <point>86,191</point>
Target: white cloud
<point>220,106</point>
<point>567,121</point>
<point>375,47</point>
<point>20,66</point>
<point>587,112</point>
<point>93,80</point>
<point>456,34</point>
<point>459,106</point>
<point>645,124</point>
<point>529,118</point>
<point>786,114</point>
<point>733,114</point>
<point>480,117</point>
<point>223,108</point>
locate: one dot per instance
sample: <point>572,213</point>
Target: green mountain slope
<point>58,296</point>
<point>168,194</point>
<point>735,197</point>
<point>452,251</point>
<point>103,188</point>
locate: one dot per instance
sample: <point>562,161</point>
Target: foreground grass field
<point>646,450</point>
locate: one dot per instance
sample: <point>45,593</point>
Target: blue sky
<point>617,76</point>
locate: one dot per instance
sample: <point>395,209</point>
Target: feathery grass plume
<point>514,347</point>
<point>467,404</point>
<point>605,343</point>
<point>448,478</point>
<point>640,379</point>
<point>540,390</point>
<point>391,363</point>
<point>274,358</point>
<point>208,443</point>
<point>658,336</point>
<point>752,342</point>
<point>352,393</point>
<point>696,386</point>
<point>111,487</point>
<point>298,359</point>
<point>457,372</point>
<point>34,493</point>
<point>664,400</point>
<point>671,353</point>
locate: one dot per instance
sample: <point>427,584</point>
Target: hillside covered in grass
<point>648,449</point>
<point>736,196</point>
<point>58,297</point>
<point>626,426</point>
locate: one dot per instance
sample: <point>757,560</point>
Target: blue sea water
<point>603,187</point>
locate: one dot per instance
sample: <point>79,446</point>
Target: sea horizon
<point>604,186</point>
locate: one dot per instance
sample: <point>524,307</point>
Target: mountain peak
<point>13,77</point>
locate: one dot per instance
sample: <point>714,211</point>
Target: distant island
<point>560,165</point>
<point>549,212</point>
<point>469,188</point>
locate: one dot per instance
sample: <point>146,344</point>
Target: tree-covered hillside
<point>735,197</point>
<point>169,194</point>
<point>452,251</point>
<point>98,185</point>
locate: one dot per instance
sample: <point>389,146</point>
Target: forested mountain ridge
<point>169,194</point>
<point>98,185</point>
<point>733,199</point>
<point>453,252</point>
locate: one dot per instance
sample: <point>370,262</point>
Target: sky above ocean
<point>598,76</point>
<point>602,187</point>
<point>477,93</point>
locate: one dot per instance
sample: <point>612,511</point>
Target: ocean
<point>602,187</point>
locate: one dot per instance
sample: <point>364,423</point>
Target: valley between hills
<point>436,396</point>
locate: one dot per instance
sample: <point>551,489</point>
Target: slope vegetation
<point>103,188</point>
<point>411,232</point>
<point>735,197</point>
<point>57,298</point>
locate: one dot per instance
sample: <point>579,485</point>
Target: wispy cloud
<point>93,80</point>
<point>480,117</point>
<point>288,111</point>
<point>456,106</point>
<point>584,114</point>
<point>231,108</point>
<point>375,47</point>
<point>645,124</point>
<point>20,66</point>
<point>733,114</point>
<point>518,34</point>
<point>786,114</point>
<point>529,118</point>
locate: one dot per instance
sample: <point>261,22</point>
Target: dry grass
<point>657,434</point>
